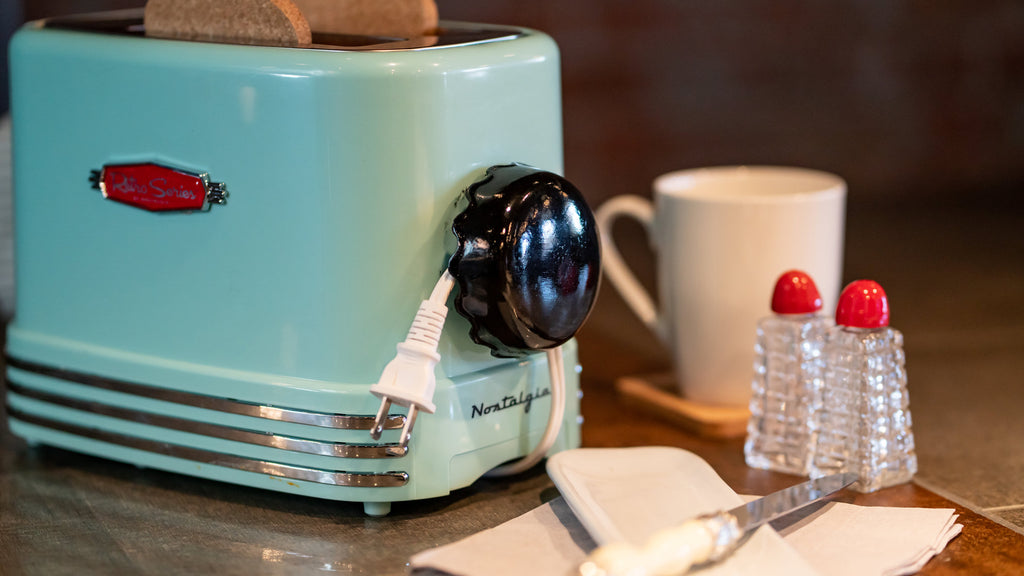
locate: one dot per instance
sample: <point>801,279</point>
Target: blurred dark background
<point>903,98</point>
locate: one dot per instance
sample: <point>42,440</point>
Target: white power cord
<point>554,426</point>
<point>408,380</point>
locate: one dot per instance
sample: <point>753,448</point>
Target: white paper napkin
<point>667,484</point>
<point>843,539</point>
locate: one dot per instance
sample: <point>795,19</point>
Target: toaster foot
<point>376,508</point>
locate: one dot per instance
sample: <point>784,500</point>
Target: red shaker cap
<point>863,304</point>
<point>795,293</point>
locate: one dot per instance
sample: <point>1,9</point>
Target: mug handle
<point>620,275</point>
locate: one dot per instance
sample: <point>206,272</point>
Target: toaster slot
<point>130,23</point>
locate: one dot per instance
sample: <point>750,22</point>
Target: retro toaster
<point>218,247</point>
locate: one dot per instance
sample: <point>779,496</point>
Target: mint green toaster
<point>260,227</point>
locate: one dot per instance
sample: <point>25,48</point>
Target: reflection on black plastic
<point>528,261</point>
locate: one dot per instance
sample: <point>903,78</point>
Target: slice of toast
<point>392,18</point>
<point>275,22</point>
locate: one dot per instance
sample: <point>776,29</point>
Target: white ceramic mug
<point>723,236</point>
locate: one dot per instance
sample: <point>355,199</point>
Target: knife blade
<point>707,538</point>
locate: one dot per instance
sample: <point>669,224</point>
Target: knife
<point>707,538</point>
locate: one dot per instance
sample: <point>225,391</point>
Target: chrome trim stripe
<point>305,445</point>
<point>311,418</point>
<point>317,475</point>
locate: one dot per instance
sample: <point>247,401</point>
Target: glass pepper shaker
<point>863,424</point>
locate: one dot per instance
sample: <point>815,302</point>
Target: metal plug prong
<point>380,418</point>
<point>403,440</point>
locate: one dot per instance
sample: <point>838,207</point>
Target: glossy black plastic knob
<point>528,262</point>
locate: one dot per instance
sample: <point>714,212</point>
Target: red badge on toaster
<point>158,188</point>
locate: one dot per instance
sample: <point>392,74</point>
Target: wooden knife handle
<point>670,551</point>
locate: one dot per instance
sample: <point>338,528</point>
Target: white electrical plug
<point>408,380</point>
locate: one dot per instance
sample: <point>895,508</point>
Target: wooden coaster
<point>655,393</point>
<point>275,22</point>
<point>393,18</point>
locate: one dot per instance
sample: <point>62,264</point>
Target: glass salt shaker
<point>863,424</point>
<point>788,374</point>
